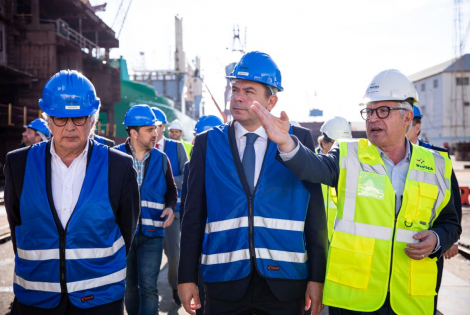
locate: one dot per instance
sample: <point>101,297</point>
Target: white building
<point>444,102</point>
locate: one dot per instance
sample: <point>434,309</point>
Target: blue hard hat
<point>159,114</point>
<point>416,111</point>
<point>207,122</point>
<point>139,115</point>
<point>40,125</point>
<point>259,67</point>
<point>69,94</point>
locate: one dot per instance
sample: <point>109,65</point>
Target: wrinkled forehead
<point>245,84</point>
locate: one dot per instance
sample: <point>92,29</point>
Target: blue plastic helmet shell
<point>159,114</point>
<point>416,111</point>
<point>40,125</point>
<point>207,122</point>
<point>259,67</point>
<point>139,115</point>
<point>69,94</point>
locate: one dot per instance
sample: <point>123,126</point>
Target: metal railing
<point>86,45</point>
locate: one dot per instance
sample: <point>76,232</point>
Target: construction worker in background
<point>395,214</point>
<point>332,130</point>
<point>72,205</point>
<point>178,157</point>
<point>158,199</point>
<point>249,220</point>
<point>176,133</point>
<point>35,132</point>
<point>413,135</point>
<point>203,124</point>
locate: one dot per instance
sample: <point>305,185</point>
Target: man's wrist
<point>288,146</point>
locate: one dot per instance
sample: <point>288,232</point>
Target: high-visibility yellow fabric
<point>188,147</point>
<point>366,257</point>
<point>330,199</point>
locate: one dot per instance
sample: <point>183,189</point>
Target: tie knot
<point>251,137</point>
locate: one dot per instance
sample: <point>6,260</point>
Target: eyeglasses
<point>62,121</point>
<point>382,112</point>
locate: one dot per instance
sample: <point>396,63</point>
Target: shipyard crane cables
<point>121,14</point>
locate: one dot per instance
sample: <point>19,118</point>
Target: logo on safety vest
<point>273,268</point>
<point>151,230</point>
<point>420,165</point>
<point>87,298</point>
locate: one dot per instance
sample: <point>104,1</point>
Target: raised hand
<point>276,128</point>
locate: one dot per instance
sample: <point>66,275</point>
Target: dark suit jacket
<point>184,188</point>
<point>110,143</point>
<point>123,196</point>
<point>194,221</point>
<point>307,165</point>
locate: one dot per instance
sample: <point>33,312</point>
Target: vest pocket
<point>350,259</point>
<point>427,199</point>
<point>423,277</point>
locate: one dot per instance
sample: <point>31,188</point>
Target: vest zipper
<point>251,228</point>
<point>393,243</point>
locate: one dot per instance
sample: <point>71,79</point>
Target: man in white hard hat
<point>176,133</point>
<point>332,130</point>
<point>395,211</point>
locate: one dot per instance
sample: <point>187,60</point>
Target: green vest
<point>366,257</point>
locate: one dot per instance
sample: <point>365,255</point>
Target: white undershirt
<point>66,183</point>
<point>260,146</point>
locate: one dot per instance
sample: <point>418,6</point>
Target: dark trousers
<point>67,308</point>
<point>258,299</point>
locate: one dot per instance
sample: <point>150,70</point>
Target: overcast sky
<point>331,47</point>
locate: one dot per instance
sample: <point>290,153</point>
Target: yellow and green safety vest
<point>188,147</point>
<point>366,257</point>
<point>330,199</point>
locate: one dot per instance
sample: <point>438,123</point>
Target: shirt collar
<point>162,141</point>
<point>54,153</point>
<point>240,131</point>
<point>407,152</point>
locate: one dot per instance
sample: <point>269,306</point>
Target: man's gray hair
<point>408,107</point>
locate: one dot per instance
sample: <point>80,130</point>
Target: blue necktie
<point>249,160</point>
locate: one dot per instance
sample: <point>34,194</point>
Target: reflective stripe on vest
<point>366,228</point>
<point>94,255</point>
<point>152,194</point>
<point>279,211</point>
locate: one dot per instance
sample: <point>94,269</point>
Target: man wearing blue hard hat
<point>158,199</point>
<point>178,157</point>
<point>35,132</point>
<point>247,218</point>
<point>72,205</point>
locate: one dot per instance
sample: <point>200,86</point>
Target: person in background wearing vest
<point>332,130</point>
<point>395,215</point>
<point>247,218</point>
<point>413,135</point>
<point>178,157</point>
<point>158,199</point>
<point>37,131</point>
<point>72,205</point>
<point>103,140</point>
<point>204,123</point>
<point>176,133</point>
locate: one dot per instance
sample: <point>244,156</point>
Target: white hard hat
<point>390,85</point>
<point>294,123</point>
<point>337,128</point>
<point>176,124</point>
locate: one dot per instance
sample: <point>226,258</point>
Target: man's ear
<point>272,101</point>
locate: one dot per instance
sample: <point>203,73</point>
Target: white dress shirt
<point>260,146</point>
<point>66,183</point>
<point>161,144</point>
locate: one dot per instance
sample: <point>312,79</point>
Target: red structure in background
<point>38,38</point>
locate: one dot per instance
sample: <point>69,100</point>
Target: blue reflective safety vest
<point>268,226</point>
<point>87,260</point>
<point>171,151</point>
<point>98,139</point>
<point>152,194</point>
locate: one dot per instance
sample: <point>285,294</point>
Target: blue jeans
<point>143,267</point>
